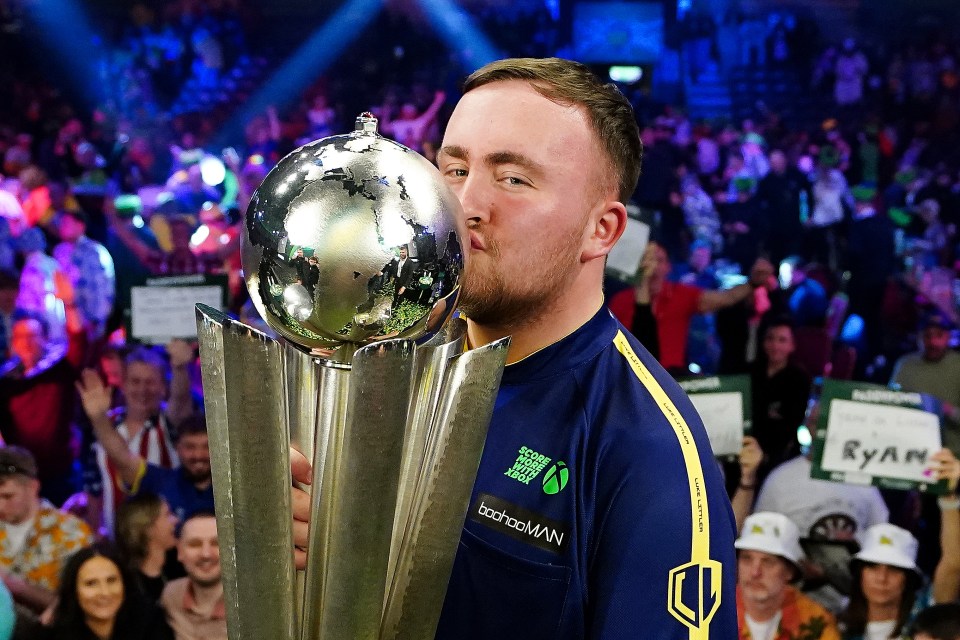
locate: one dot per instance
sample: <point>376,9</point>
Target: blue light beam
<point>64,30</point>
<point>459,32</point>
<point>303,67</point>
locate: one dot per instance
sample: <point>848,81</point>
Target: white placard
<point>626,255</point>
<point>161,313</point>
<point>872,440</point>
<point>722,415</point>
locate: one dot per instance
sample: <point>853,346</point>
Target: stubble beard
<point>495,298</point>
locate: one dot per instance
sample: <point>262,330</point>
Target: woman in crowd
<point>99,600</point>
<point>887,585</point>
<point>145,533</point>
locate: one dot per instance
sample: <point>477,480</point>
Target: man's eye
<point>457,173</point>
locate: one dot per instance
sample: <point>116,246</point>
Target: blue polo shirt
<point>176,488</point>
<point>598,511</point>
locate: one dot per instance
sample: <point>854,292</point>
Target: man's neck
<point>547,327</point>
<point>206,597</point>
<point>31,514</point>
<point>765,610</point>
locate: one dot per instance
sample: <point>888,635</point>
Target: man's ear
<point>605,225</point>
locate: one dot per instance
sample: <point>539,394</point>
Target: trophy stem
<point>356,515</point>
<point>331,399</point>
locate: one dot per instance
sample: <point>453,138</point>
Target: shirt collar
<point>583,344</point>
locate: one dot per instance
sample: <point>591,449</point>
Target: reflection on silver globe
<point>324,226</point>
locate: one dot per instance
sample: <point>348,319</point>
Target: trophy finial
<point>366,124</point>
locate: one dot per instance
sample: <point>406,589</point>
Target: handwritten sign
<point>873,435</point>
<point>164,309</point>
<point>723,403</point>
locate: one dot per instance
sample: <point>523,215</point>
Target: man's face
<point>882,584</point>
<point>70,228</point>
<point>778,162</point>
<point>403,253</point>
<point>936,341</point>
<point>193,449</point>
<point>198,551</point>
<point>700,259</point>
<point>144,388</point>
<point>656,260</point>
<point>27,341</point>
<point>763,577</point>
<point>778,344</point>
<point>528,171</point>
<point>18,495</point>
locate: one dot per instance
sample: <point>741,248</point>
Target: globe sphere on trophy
<point>352,254</point>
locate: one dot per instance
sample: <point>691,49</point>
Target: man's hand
<point>302,473</point>
<point>63,288</point>
<point>945,466</point>
<point>180,352</point>
<point>94,395</point>
<point>751,455</point>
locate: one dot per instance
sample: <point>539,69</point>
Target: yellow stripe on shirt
<point>697,621</point>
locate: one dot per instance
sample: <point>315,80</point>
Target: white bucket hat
<point>889,544</point>
<point>772,533</point>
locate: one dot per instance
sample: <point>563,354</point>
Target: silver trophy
<point>369,378</point>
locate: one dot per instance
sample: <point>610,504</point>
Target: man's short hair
<point>941,622</point>
<point>16,462</point>
<point>195,424</point>
<point>572,83</point>
<point>150,357</point>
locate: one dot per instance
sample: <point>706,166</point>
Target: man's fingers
<point>300,467</point>
<point>300,534</point>
<point>300,559</point>
<point>301,505</point>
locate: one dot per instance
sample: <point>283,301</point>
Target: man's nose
<point>474,196</point>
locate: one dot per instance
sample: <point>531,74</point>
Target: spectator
<point>768,560</point>
<point>37,283</point>
<point>195,605</point>
<point>779,393</point>
<point>145,423</point>
<point>187,488</point>
<point>851,68</point>
<point>659,311</point>
<point>146,531</point>
<point>98,598</point>
<point>778,196</point>
<point>935,370</point>
<point>35,538</point>
<point>410,129</point>
<point>90,269</point>
<point>37,397</point>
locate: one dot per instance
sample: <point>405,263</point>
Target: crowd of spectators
<point>780,252</point>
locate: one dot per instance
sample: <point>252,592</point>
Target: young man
<point>35,538</point>
<point>590,442</point>
<point>194,604</point>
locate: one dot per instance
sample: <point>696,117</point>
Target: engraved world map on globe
<point>324,234</point>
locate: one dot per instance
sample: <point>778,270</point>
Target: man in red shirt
<point>659,311</point>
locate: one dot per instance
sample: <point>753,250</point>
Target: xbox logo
<point>556,478</point>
